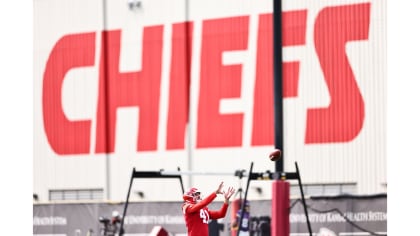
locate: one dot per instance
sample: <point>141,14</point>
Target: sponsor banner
<point>340,216</point>
<point>328,217</point>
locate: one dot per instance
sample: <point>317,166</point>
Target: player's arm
<point>222,211</point>
<point>196,207</point>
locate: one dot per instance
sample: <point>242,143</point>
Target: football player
<point>196,213</point>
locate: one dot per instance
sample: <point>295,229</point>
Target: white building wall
<point>361,160</point>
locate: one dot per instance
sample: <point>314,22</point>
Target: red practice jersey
<point>197,215</point>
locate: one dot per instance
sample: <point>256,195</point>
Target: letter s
<point>343,119</point>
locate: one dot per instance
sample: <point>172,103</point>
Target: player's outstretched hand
<point>229,193</point>
<point>219,189</point>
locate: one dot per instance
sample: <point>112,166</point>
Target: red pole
<point>235,206</point>
<point>280,225</point>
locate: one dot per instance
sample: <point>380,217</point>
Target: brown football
<point>275,155</point>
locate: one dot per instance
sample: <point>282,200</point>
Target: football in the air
<point>275,155</point>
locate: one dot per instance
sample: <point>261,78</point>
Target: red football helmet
<point>192,195</point>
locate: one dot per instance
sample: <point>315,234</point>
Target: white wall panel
<point>361,160</point>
